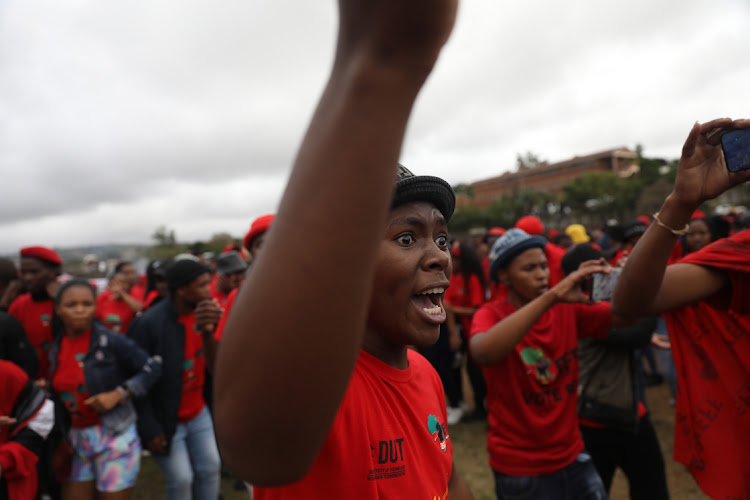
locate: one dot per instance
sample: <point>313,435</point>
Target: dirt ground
<point>471,460</point>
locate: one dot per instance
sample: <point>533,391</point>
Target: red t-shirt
<point>194,371</point>
<point>459,295</point>
<point>137,292</point>
<point>150,298</point>
<point>532,394</point>
<point>36,319</point>
<point>223,321</point>
<point>115,314</point>
<point>69,382</point>
<point>389,438</point>
<point>711,350</point>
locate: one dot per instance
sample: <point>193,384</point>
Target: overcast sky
<point>118,117</point>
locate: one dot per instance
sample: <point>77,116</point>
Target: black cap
<point>410,187</point>
<point>182,272</point>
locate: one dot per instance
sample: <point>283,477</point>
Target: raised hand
<point>207,315</point>
<point>702,173</point>
<point>408,33</point>
<point>571,288</point>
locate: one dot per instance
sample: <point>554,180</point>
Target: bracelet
<point>676,232</point>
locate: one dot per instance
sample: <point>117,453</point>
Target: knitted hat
<point>511,244</point>
<point>410,187</point>
<point>230,263</point>
<point>258,227</point>
<point>531,224</point>
<point>42,253</point>
<point>182,272</point>
<point>577,233</point>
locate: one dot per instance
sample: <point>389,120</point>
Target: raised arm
<point>644,287</point>
<point>490,347</point>
<point>290,345</point>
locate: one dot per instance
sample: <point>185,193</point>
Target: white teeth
<point>434,310</point>
<point>437,289</point>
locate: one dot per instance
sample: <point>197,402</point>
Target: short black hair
<point>70,284</point>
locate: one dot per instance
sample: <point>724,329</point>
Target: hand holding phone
<point>736,147</point>
<point>604,284</point>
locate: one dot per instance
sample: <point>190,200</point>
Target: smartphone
<point>604,284</point>
<point>736,147</point>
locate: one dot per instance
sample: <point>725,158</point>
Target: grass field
<point>471,459</point>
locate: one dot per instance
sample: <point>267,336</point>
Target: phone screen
<point>604,284</point>
<point>736,147</point>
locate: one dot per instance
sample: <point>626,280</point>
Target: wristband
<point>676,232</point>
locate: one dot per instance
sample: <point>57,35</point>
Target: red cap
<point>552,233</point>
<point>531,224</point>
<point>496,231</point>
<point>258,227</point>
<point>42,253</point>
<point>645,219</point>
<point>698,215</point>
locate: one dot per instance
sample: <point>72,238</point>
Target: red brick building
<point>549,177</point>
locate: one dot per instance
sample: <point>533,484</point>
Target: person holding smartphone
<point>704,299</point>
<point>527,345</point>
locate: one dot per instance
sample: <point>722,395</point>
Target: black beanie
<point>184,271</point>
<point>410,187</point>
<point>578,254</point>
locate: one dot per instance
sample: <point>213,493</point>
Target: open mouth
<point>430,300</point>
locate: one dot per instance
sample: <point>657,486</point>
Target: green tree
<point>602,194</point>
<point>164,237</point>
<point>528,160</point>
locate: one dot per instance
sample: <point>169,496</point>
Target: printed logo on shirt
<point>45,319</point>
<point>438,432</point>
<point>114,321</point>
<point>538,364</point>
<point>390,457</point>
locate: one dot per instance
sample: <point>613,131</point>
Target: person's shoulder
<point>12,374</point>
<point>19,302</point>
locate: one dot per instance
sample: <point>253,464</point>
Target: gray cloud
<point>117,117</point>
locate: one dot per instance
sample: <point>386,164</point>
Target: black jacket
<point>159,333</point>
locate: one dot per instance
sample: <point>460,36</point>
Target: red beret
<point>258,227</point>
<point>532,225</point>
<point>42,253</point>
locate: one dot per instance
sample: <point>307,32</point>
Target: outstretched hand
<point>394,31</point>
<point>571,288</point>
<point>702,173</point>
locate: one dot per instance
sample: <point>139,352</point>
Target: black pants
<point>638,455</point>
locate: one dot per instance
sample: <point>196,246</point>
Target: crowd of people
<point>302,372</point>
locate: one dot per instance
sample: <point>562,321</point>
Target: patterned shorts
<point>113,461</point>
